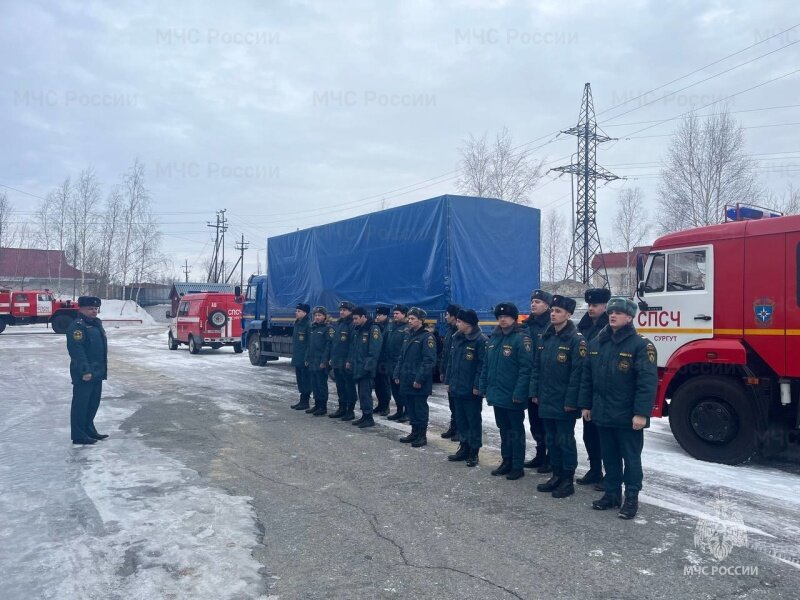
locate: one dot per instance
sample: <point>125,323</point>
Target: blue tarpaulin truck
<point>471,251</point>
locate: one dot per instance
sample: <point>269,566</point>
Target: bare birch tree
<point>135,204</point>
<point>630,230</point>
<point>706,169</point>
<point>554,246</point>
<point>498,170</point>
<point>86,198</point>
<point>6,230</point>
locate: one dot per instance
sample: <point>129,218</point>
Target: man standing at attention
<point>365,350</point>
<point>537,322</point>
<point>299,348</point>
<point>383,374</point>
<point>338,350</point>
<point>88,367</point>
<point>450,317</point>
<point>393,344</point>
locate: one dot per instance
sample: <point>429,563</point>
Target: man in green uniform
<point>618,391</point>
<point>467,353</point>
<point>590,325</point>
<point>555,385</point>
<point>318,341</point>
<point>88,367</point>
<point>338,350</point>
<point>299,348</point>
<point>450,316</point>
<point>414,375</point>
<point>393,344</point>
<point>537,322</point>
<point>505,381</point>
<point>383,375</point>
<point>365,350</point>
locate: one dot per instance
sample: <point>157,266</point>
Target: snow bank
<point>124,312</point>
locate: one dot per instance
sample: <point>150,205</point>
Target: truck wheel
<point>2,325</point>
<point>237,347</point>
<point>254,351</point>
<point>61,323</point>
<point>194,348</point>
<point>714,419</point>
<point>217,318</point>
<point>172,342</point>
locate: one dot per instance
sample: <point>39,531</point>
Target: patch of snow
<point>118,311</point>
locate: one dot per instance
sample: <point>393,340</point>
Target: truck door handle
<point>702,318</point>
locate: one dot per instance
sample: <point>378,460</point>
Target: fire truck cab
<point>206,319</point>
<point>35,306</point>
<point>722,306</point>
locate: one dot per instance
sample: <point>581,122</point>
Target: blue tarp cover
<point>472,251</point>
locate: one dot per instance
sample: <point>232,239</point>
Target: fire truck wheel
<point>60,323</point>
<point>237,347</point>
<point>217,318</point>
<point>194,347</point>
<point>254,351</point>
<point>3,326</point>
<point>714,420</point>
<point>172,342</point>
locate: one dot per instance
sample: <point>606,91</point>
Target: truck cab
<point>722,306</point>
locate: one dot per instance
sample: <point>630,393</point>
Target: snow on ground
<point>118,311</point>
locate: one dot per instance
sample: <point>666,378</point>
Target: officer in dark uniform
<point>618,391</point>
<point>365,351</point>
<point>393,344</point>
<point>555,384</point>
<point>318,340</point>
<point>450,317</point>
<point>505,381</point>
<point>383,374</point>
<point>338,350</point>
<point>88,367</point>
<point>590,325</point>
<point>467,353</point>
<point>299,349</point>
<point>414,374</point>
<point>537,322</point>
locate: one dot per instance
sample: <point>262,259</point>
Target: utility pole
<point>241,247</point>
<point>186,269</point>
<point>585,238</point>
<point>217,267</point>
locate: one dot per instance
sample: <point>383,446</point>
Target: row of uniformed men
<point>544,365</point>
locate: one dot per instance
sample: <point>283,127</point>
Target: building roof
<point>617,260</point>
<point>30,263</point>
<point>179,289</point>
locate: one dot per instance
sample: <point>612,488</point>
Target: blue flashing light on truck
<point>465,250</point>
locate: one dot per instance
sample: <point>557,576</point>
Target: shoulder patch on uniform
<point>77,335</point>
<point>582,349</point>
<point>431,343</point>
<point>651,352</point>
<point>375,334</point>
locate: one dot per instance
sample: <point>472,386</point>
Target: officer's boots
<point>461,453</point>
<point>358,421</point>
<point>593,475</point>
<point>339,411</point>
<point>302,405</point>
<point>319,411</point>
<point>407,439</point>
<point>538,460</point>
<point>420,440</point>
<point>565,485</point>
<point>366,421</point>
<point>629,507</point>
<point>609,500</point>
<point>311,409</point>
<point>349,413</point>
<point>451,431</point>
<point>503,469</point>
<point>472,457</point>
<point>515,474</point>
<point>396,415</point>
<point>551,484</point>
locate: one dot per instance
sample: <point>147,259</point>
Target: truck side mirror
<point>640,259</point>
<point>237,291</point>
<point>640,288</point>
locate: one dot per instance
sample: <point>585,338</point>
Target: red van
<point>206,319</point>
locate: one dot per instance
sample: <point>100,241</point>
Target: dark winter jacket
<point>465,363</point>
<point>339,348</point>
<point>446,344</point>
<point>506,373</point>
<point>416,362</point>
<point>300,341</point>
<point>537,325</point>
<point>394,335</point>
<point>557,369</point>
<point>88,349</point>
<point>589,328</point>
<point>365,350</point>
<point>318,339</point>
<point>619,378</point>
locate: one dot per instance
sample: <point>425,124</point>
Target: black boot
<point>550,484</point>
<point>358,421</point>
<point>421,439</point>
<point>349,414</point>
<point>450,432</point>
<point>366,421</point>
<point>410,437</point>
<point>545,468</point>
<point>302,405</point>
<point>630,507</point>
<point>403,418</point>
<point>311,409</point>
<point>382,411</point>
<point>565,487</point>
<point>319,411</point>
<point>472,458</point>
<point>503,469</point>
<point>593,475</point>
<point>515,474</point>
<point>395,416</point>
<point>608,500</point>
<point>538,460</point>
<point>339,412</point>
<point>461,453</point>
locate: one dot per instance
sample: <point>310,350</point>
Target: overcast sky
<point>291,114</point>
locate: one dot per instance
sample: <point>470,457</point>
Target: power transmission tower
<point>216,269</point>
<point>585,238</point>
<point>186,269</point>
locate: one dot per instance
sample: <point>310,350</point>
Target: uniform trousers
<point>364,387</point>
<point>85,402</point>
<point>319,386</point>
<point>418,411</point>
<point>303,376</point>
<point>345,389</point>
<point>399,401</point>
<point>561,447</point>
<point>468,420</point>
<point>383,388</point>
<point>591,439</point>
<point>511,423</point>
<point>622,458</point>
<point>536,426</point>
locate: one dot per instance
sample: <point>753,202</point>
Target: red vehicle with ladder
<point>35,306</point>
<point>211,319</point>
<point>722,306</point>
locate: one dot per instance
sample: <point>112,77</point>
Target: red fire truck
<point>206,319</point>
<point>722,305</point>
<point>35,306</point>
